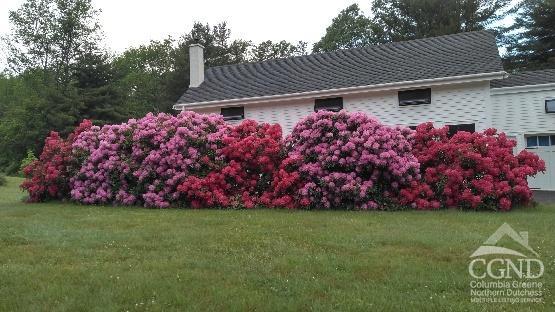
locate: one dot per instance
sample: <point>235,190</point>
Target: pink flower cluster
<point>347,160</point>
<point>469,170</point>
<point>143,161</point>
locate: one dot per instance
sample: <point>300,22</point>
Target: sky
<point>131,23</point>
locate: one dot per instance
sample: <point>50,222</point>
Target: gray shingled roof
<point>526,78</point>
<point>437,57</point>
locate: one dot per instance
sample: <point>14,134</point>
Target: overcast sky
<point>130,23</point>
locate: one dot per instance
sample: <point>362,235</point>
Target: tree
<point>51,35</point>
<point>350,29</point>
<point>51,84</point>
<point>94,79</point>
<point>31,43</point>
<point>531,39</point>
<point>267,50</point>
<point>398,20</point>
<point>144,74</point>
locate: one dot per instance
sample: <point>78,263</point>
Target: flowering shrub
<point>248,156</point>
<point>469,170</point>
<point>330,160</point>
<point>344,160</point>
<point>143,161</point>
<point>48,177</point>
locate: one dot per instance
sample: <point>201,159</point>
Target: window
<point>233,113</point>
<point>543,140</point>
<point>540,140</point>
<point>415,97</point>
<point>532,141</point>
<point>330,104</point>
<point>550,106</point>
<point>462,127</point>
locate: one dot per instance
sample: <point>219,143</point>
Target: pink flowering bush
<point>143,161</point>
<point>469,170</point>
<point>48,177</point>
<point>344,160</point>
<point>248,156</point>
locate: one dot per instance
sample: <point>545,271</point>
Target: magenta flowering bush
<point>344,160</point>
<point>143,161</point>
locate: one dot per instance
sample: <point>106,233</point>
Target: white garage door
<point>544,147</point>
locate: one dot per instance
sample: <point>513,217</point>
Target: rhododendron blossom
<point>248,155</point>
<point>469,170</point>
<point>330,160</point>
<point>48,177</point>
<point>143,161</point>
<point>345,160</point>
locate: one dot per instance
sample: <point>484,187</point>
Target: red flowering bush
<point>247,157</point>
<point>48,177</point>
<point>344,160</point>
<point>469,170</point>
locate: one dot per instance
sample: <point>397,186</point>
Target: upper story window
<point>540,140</point>
<point>415,97</point>
<point>233,113</point>
<point>329,104</point>
<point>461,127</point>
<point>550,106</point>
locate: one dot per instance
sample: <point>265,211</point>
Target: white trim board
<point>526,88</point>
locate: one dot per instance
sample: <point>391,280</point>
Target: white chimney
<point>196,59</point>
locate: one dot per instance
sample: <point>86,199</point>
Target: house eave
<point>525,88</point>
<point>343,91</point>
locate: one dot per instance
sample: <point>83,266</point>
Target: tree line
<point>58,71</point>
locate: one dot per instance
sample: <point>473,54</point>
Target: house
<point>456,80</point>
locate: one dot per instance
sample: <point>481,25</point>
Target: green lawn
<point>67,257</point>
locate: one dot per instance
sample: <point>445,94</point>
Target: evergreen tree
<point>398,20</point>
<point>98,96</point>
<point>531,40</point>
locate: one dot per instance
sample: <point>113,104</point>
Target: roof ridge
<point>373,46</point>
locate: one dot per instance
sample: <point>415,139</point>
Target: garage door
<point>544,147</point>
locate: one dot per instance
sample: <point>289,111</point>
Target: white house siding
<point>287,114</point>
<point>520,112</point>
<point>451,104</point>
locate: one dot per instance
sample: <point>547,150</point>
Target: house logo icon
<point>498,262</point>
<point>489,246</point>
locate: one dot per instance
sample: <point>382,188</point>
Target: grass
<point>67,257</point>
